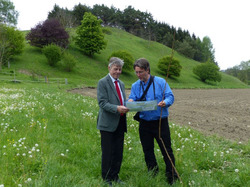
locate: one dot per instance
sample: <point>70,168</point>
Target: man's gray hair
<point>115,61</point>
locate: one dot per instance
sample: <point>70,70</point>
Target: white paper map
<point>142,105</point>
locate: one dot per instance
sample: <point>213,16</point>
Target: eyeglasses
<point>139,72</point>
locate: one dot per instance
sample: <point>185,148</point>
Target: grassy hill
<point>89,70</point>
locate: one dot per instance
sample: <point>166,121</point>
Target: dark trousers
<point>112,151</point>
<point>149,130</point>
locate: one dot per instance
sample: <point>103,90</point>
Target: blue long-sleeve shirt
<point>159,84</point>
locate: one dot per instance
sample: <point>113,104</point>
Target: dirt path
<point>225,112</point>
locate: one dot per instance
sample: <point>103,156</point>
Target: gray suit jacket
<point>108,100</point>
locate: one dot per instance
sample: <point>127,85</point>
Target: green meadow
<point>48,136</point>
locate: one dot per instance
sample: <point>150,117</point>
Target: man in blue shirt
<point>149,120</point>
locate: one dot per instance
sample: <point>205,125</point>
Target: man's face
<point>142,74</point>
<point>115,71</point>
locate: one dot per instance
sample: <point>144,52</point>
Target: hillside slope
<point>89,70</point>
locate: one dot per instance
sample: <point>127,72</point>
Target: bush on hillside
<point>126,57</point>
<point>174,69</point>
<point>53,54</point>
<point>207,72</point>
<point>48,32</point>
<point>68,62</point>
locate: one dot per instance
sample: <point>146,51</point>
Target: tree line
<point>241,71</point>
<point>142,25</point>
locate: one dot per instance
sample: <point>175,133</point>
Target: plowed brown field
<point>224,112</point>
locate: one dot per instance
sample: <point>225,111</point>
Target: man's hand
<point>122,109</point>
<point>162,104</point>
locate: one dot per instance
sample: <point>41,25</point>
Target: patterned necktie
<point>118,92</point>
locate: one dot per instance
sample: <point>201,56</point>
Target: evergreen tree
<point>79,11</point>
<point>90,38</point>
<point>65,16</point>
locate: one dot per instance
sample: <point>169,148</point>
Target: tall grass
<point>49,138</point>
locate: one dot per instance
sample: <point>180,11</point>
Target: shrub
<point>207,72</point>
<point>126,57</point>
<point>68,62</point>
<point>53,54</point>
<point>48,32</point>
<point>174,69</point>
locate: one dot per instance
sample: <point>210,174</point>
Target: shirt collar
<point>113,80</point>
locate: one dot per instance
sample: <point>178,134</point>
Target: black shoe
<point>171,179</point>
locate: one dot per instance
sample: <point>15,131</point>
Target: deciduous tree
<point>90,38</point>
<point>207,71</point>
<point>48,32</point>
<point>11,43</point>
<point>8,14</point>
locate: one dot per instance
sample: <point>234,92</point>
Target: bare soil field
<point>224,112</point>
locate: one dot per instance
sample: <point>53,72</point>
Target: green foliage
<point>207,72</point>
<point>53,54</point>
<point>90,38</point>
<point>208,50</point>
<point>65,16</point>
<point>11,43</point>
<point>172,64</point>
<point>186,49</point>
<point>79,11</point>
<point>126,57</point>
<point>8,14</point>
<point>241,71</point>
<point>68,61</point>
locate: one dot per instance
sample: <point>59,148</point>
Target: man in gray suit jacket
<point>111,120</point>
